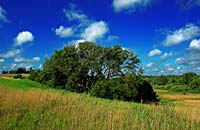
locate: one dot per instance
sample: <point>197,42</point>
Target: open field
<point>10,76</point>
<point>25,106</point>
<point>185,104</point>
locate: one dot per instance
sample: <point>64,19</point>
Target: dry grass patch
<point>49,110</point>
<point>10,76</point>
<point>186,105</point>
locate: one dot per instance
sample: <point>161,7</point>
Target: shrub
<point>17,76</point>
<point>129,88</point>
<point>195,83</point>
<point>34,75</point>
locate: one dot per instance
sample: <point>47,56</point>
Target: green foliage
<point>17,71</point>
<point>4,72</point>
<point>188,82</point>
<point>129,88</point>
<point>195,83</point>
<point>17,76</point>
<point>107,72</point>
<point>20,71</point>
<point>161,80</point>
<point>34,75</point>
<point>188,77</point>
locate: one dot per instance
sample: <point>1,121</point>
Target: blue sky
<point>165,34</point>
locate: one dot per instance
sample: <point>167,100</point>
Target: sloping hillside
<point>24,105</point>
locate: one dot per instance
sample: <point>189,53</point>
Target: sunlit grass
<point>184,104</point>
<point>10,76</point>
<point>49,109</point>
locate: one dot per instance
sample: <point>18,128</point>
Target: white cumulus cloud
<point>22,59</point>
<point>94,31</point>
<point>36,59</point>
<point>19,59</point>
<point>2,60</point>
<point>120,5</point>
<point>181,35</point>
<point>13,66</point>
<point>22,65</point>
<point>195,45</point>
<point>10,53</point>
<point>191,60</point>
<point>64,32</point>
<point>166,55</point>
<point>154,52</point>
<point>23,37</point>
<point>150,64</point>
<point>74,14</point>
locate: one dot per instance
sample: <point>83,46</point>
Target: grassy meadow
<point>27,105</point>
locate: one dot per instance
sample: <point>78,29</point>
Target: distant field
<point>26,105</point>
<point>185,104</point>
<point>10,76</point>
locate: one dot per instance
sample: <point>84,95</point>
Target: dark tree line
<point>17,71</point>
<point>108,72</point>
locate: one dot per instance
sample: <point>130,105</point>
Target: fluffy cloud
<point>75,14</point>
<point>180,60</point>
<point>150,64</point>
<point>94,31</point>
<point>64,32</point>
<point>166,55</point>
<point>167,69</point>
<point>22,59</point>
<point>154,52</point>
<point>3,14</point>
<point>19,59</point>
<point>120,5</point>
<point>23,37</point>
<point>195,45</point>
<point>10,53</point>
<point>14,66</point>
<point>191,60</point>
<point>2,60</point>
<point>36,59</point>
<point>181,35</point>
<point>85,28</point>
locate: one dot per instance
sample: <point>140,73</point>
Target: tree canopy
<point>79,68</point>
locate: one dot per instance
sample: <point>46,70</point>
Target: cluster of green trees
<point>17,71</point>
<point>107,72</point>
<point>188,81</point>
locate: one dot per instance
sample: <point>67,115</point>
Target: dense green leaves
<point>187,82</point>
<point>108,72</point>
<point>129,88</point>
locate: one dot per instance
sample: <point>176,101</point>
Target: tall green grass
<point>39,109</point>
<point>21,84</point>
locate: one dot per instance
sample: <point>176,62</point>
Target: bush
<point>129,88</point>
<point>195,83</point>
<point>35,75</point>
<point>17,76</point>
